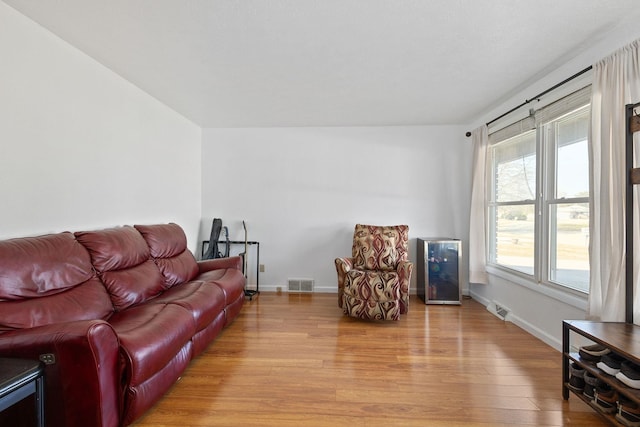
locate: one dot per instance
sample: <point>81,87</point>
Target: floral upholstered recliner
<point>374,282</point>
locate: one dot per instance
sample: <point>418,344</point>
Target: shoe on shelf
<point>628,412</point>
<point>611,363</point>
<point>576,377</point>
<point>629,374</point>
<point>606,399</point>
<point>593,353</point>
<point>590,384</point>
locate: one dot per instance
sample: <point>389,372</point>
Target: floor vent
<point>500,310</point>
<point>300,285</point>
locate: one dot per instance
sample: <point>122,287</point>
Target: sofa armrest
<point>234,262</point>
<point>404,272</point>
<point>343,265</point>
<point>404,279</point>
<point>82,382</point>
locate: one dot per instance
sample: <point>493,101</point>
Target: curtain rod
<point>541,94</point>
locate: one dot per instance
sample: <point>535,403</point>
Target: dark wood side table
<point>20,378</point>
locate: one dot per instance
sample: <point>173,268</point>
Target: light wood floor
<point>296,360</point>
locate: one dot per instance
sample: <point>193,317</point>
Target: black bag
<point>212,249</point>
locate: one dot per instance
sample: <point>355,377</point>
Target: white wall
<point>536,308</point>
<point>302,190</point>
<point>81,148</point>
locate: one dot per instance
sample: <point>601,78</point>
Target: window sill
<point>573,298</point>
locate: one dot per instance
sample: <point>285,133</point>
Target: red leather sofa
<point>117,315</point>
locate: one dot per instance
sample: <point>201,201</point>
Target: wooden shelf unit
<point>621,338</point>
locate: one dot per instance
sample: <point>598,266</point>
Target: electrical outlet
<point>261,268</point>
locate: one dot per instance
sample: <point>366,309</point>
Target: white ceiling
<point>237,63</point>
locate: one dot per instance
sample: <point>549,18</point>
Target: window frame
<point>494,204</point>
<point>544,122</point>
<point>549,198</point>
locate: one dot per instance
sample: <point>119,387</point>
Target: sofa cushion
<point>33,267</point>
<point>204,301</point>
<point>121,257</point>
<point>87,301</point>
<point>133,285</point>
<point>178,269</point>
<point>164,240</point>
<point>48,279</point>
<point>114,248</point>
<point>151,335</point>
<point>379,248</point>
<point>230,280</point>
<point>168,247</point>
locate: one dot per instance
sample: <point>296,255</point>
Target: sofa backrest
<point>121,257</point>
<point>48,279</point>
<point>379,247</point>
<point>168,247</point>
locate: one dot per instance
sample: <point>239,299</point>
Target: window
<point>567,201</point>
<point>539,194</point>
<point>513,215</point>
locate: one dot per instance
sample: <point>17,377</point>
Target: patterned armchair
<point>374,282</point>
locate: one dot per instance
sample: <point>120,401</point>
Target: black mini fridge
<point>438,266</point>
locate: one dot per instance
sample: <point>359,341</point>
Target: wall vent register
<point>300,285</point>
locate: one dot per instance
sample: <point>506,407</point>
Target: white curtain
<point>616,82</point>
<point>477,221</point>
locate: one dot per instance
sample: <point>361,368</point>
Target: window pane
<point>572,164</point>
<point>514,244</point>
<point>569,245</point>
<point>515,169</point>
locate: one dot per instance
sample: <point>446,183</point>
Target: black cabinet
<point>21,379</point>
<point>438,266</point>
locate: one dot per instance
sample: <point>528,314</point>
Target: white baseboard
<point>536,332</point>
<point>521,323</point>
<point>479,298</point>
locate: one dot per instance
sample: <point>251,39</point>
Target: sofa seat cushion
<point>168,247</point>
<point>204,301</point>
<point>230,280</point>
<point>151,335</point>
